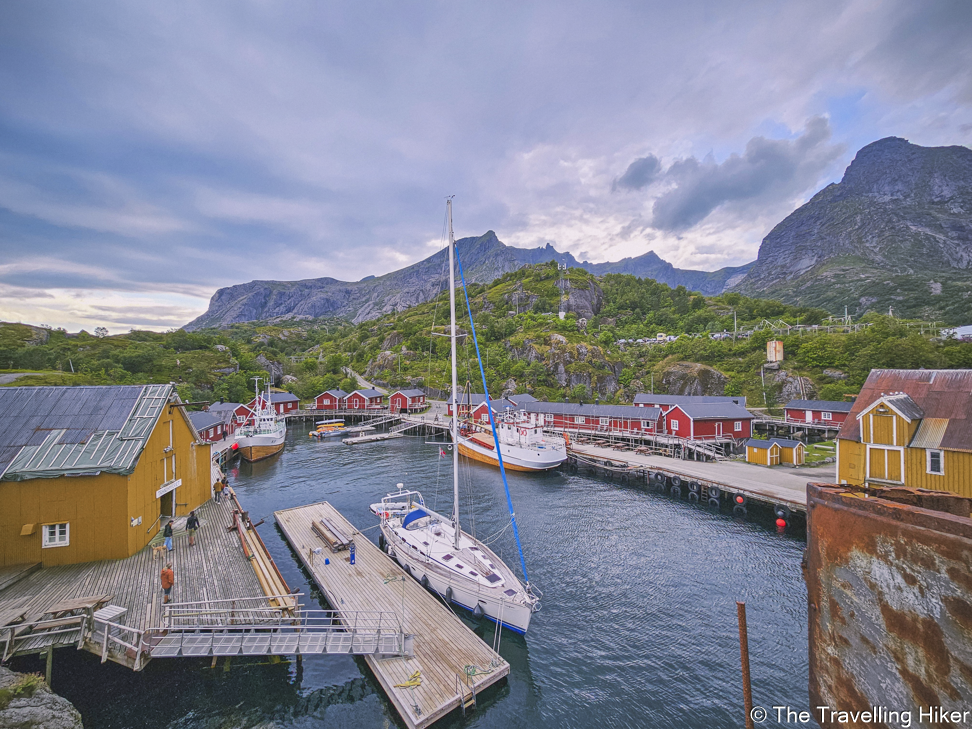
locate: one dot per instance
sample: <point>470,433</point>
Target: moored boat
<point>264,433</point>
<point>522,442</point>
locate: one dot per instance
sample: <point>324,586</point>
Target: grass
<point>817,452</point>
<point>24,687</point>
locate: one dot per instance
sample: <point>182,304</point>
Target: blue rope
<point>492,423</point>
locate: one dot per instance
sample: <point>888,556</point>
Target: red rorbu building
<point>406,401</point>
<point>331,400</point>
<point>820,412</point>
<point>209,426</point>
<point>709,422</point>
<point>281,402</point>
<point>667,402</point>
<point>365,400</point>
<point>467,402</point>
<point>595,418</point>
<point>228,413</point>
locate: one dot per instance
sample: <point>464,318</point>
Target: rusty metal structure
<point>889,586</point>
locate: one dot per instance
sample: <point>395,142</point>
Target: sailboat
<point>264,433</point>
<point>434,549</point>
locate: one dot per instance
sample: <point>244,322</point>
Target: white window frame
<point>674,425</point>
<point>605,421</point>
<point>737,426</point>
<point>646,425</point>
<point>484,418</point>
<point>47,530</point>
<point>826,416</point>
<point>548,418</point>
<point>941,461</point>
<point>579,419</point>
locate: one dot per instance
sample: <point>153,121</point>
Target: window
<point>579,419</point>
<point>936,462</point>
<point>240,419</point>
<point>56,535</point>
<point>605,421</point>
<point>737,426</point>
<point>548,418</point>
<point>646,424</point>
<point>826,416</point>
<point>484,417</point>
<point>674,425</point>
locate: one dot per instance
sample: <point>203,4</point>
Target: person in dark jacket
<point>167,533</point>
<point>192,524</point>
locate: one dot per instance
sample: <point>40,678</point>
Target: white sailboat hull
<point>515,458</point>
<point>493,602</point>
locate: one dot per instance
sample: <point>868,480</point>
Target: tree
<point>100,332</point>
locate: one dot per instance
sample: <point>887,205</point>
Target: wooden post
<point>50,665</point>
<point>744,659</point>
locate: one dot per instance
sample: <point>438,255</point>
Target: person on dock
<point>167,534</point>
<point>192,524</point>
<point>168,580</point>
<point>220,485</point>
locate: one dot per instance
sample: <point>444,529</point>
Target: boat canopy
<point>414,515</point>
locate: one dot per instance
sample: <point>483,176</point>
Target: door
<point>719,429</point>
<point>809,416</point>
<point>167,504</point>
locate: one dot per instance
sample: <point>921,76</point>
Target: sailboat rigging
<point>434,549</point>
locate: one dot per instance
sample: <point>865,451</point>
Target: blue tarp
<point>414,515</point>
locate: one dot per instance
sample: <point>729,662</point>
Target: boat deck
<point>445,649</point>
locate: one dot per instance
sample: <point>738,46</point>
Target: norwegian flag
<point>442,453</point>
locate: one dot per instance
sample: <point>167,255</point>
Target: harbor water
<point>637,627</point>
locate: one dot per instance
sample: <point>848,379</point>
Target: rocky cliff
<point>895,232</point>
<point>484,259</point>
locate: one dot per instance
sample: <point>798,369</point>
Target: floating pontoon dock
<point>450,664</point>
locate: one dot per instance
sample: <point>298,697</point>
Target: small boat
<point>521,438</point>
<point>264,433</point>
<point>328,429</point>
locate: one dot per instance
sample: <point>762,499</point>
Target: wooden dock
<point>452,662</point>
<point>371,438</point>
<point>216,568</point>
<point>769,485</point>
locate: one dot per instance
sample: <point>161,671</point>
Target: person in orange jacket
<point>168,580</point>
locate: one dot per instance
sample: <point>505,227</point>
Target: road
<point>7,379</point>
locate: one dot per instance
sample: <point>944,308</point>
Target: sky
<point>151,153</point>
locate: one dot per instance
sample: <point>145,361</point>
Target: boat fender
<point>676,492</point>
<point>478,611</point>
<point>391,552</point>
<point>676,481</point>
<point>693,496</point>
<point>425,581</point>
<point>660,477</point>
<point>694,487</point>
<point>782,512</point>
<point>714,492</point>
<point>407,568</point>
<point>381,541</point>
<point>740,500</point>
<point>449,594</point>
<point>739,510</point>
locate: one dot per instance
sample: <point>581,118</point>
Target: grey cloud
<point>640,173</point>
<point>775,168</point>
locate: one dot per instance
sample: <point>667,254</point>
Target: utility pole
<point>734,325</point>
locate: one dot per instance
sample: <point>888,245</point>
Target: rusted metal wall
<point>889,584</point>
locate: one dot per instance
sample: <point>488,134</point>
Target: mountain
<point>484,259</point>
<point>895,232</point>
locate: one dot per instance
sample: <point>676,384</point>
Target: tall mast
<point>455,398</point>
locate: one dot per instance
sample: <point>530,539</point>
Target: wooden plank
<point>444,645</point>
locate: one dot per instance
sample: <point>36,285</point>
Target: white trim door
<point>718,429</point>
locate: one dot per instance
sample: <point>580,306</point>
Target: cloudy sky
<point>153,152</point>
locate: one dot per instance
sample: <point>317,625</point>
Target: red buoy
<point>781,523</point>
<point>739,499</point>
<point>234,446</point>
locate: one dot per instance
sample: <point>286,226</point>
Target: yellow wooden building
<point>91,473</point>
<point>910,428</point>
<point>775,451</point>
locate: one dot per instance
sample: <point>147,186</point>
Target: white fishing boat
<point>434,549</point>
<point>264,432</point>
<point>522,442</point>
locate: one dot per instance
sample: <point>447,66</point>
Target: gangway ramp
<point>444,647</point>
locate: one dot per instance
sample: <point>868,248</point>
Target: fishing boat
<point>523,443</point>
<point>328,429</point>
<point>264,433</point>
<point>434,549</point>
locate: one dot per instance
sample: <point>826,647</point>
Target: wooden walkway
<point>446,651</point>
<point>773,485</point>
<point>214,569</point>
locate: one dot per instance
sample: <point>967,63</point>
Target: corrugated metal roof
<point>522,398</point>
<point>834,406</point>
<point>220,407</point>
<point>336,393</point>
<point>410,393</point>
<point>710,411</point>
<point>930,433</point>
<point>759,443</point>
<point>202,419</point>
<point>369,393</point>
<point>53,431</point>
<point>944,394</point>
<point>630,412</point>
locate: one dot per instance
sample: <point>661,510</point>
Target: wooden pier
<point>768,485</point>
<point>450,664</point>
